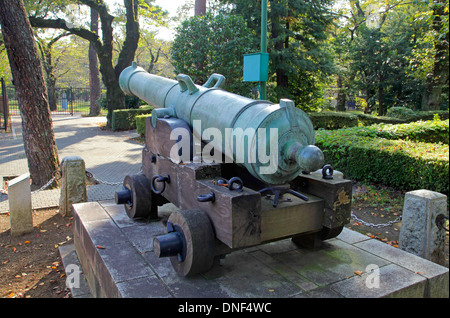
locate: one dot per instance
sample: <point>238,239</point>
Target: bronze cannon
<point>242,172</point>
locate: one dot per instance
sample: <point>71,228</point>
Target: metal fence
<point>68,101</point>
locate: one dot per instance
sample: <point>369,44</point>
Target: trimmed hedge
<point>140,124</point>
<point>398,163</point>
<point>125,119</point>
<point>337,120</point>
<point>432,131</point>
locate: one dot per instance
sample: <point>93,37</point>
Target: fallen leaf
<point>26,242</point>
<point>359,273</point>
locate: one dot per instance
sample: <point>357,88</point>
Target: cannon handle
<point>219,81</point>
<point>186,84</point>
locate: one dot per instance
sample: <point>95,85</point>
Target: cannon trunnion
<point>223,205</point>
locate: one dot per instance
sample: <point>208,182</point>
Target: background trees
<point>103,45</point>
<point>299,59</point>
<point>213,43</point>
<point>38,137</point>
<point>375,54</point>
<point>390,53</point>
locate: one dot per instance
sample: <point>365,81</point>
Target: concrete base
<point>117,259</point>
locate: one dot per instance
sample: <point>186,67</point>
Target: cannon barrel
<point>285,125</point>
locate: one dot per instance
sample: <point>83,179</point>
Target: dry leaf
<point>359,273</point>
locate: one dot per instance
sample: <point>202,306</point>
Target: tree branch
<point>64,25</point>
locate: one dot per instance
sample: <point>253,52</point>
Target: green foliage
<point>333,120</point>
<point>211,44</point>
<point>399,163</point>
<point>336,120</point>
<point>140,124</point>
<point>125,119</point>
<point>432,131</point>
<point>400,112</point>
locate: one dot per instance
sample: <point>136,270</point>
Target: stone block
<point>419,233</point>
<point>19,196</point>
<point>73,185</point>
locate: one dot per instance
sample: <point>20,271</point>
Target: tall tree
<point>94,75</point>
<point>209,44</point>
<point>39,140</point>
<point>296,44</point>
<point>437,79</point>
<point>104,45</point>
<point>200,7</point>
<point>49,65</point>
<point>376,40</point>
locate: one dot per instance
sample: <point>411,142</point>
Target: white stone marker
<point>19,197</point>
<point>73,184</point>
<point>419,233</point>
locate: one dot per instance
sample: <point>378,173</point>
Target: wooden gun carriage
<point>226,205</point>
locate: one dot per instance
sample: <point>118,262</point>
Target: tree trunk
<point>50,78</point>
<point>381,110</point>
<point>39,140</point>
<point>342,96</point>
<point>200,7</point>
<point>51,92</point>
<point>94,74</point>
<point>277,36</point>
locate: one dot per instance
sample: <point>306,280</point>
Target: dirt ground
<point>30,264</point>
<point>31,267</point>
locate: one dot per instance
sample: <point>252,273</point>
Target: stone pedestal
<point>419,233</point>
<point>73,185</point>
<point>19,196</point>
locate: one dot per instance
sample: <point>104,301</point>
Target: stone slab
<point>19,192</point>
<point>419,233</point>
<point>118,260</point>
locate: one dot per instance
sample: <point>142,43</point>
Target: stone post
<point>19,197</point>
<point>419,233</point>
<point>73,185</point>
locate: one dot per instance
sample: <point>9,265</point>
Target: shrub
<point>400,112</point>
<point>337,120</point>
<point>432,131</point>
<point>140,124</point>
<point>333,120</point>
<point>367,120</point>
<point>125,119</point>
<point>398,163</point>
